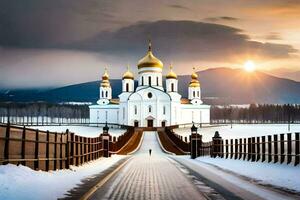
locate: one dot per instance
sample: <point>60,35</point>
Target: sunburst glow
<point>249,66</point>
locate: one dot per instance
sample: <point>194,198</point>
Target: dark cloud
<point>177,6</point>
<point>222,18</point>
<point>273,36</point>
<point>184,40</point>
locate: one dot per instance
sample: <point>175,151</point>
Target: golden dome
<point>128,74</point>
<point>194,82</point>
<point>105,79</point>
<point>149,60</point>
<point>105,76</point>
<point>171,74</point>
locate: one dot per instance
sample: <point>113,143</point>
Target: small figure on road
<point>150,150</point>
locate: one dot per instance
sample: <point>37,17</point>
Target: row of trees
<point>43,113</point>
<point>266,113</point>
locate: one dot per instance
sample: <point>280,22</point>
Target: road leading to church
<point>145,177</point>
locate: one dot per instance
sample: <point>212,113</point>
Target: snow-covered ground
<point>19,182</point>
<point>286,176</point>
<point>240,130</point>
<point>87,131</point>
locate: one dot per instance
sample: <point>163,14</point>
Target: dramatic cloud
<point>184,40</point>
<point>273,36</point>
<point>177,6</point>
<point>222,18</point>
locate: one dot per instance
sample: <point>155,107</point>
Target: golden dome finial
<point>128,74</point>
<point>194,82</point>
<point>105,79</point>
<point>171,74</point>
<point>149,60</point>
<point>149,45</point>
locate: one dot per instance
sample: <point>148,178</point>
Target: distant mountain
<point>285,73</point>
<point>219,86</point>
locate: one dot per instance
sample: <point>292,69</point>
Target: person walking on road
<point>150,150</point>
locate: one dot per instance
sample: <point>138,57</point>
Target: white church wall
<point>102,114</point>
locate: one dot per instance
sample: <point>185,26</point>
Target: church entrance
<point>150,123</point>
<point>163,123</point>
<point>136,123</point>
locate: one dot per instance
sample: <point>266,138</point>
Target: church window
<point>106,94</point>
<point>127,87</point>
<point>102,94</point>
<point>135,110</point>
<point>164,110</point>
<point>172,87</point>
<point>194,94</point>
<point>198,94</point>
<point>149,95</point>
<point>150,109</point>
<point>157,81</point>
<point>142,80</point>
<point>149,80</point>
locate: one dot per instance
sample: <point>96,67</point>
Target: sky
<point>52,43</point>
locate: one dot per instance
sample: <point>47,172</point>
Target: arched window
<point>102,94</point>
<point>127,87</point>
<point>142,80</point>
<point>164,110</point>
<point>194,94</point>
<point>106,94</point>
<point>149,80</point>
<point>172,87</point>
<point>198,94</point>
<point>157,81</point>
<point>150,109</point>
<point>135,110</point>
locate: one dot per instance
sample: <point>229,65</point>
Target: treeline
<point>43,113</point>
<point>266,113</point>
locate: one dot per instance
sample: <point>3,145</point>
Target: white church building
<point>150,104</point>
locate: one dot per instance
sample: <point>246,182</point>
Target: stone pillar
<point>105,137</point>
<point>195,142</point>
<point>217,147</point>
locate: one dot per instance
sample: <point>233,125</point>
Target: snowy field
<point>240,130</point>
<point>87,131</point>
<point>286,176</point>
<point>19,182</point>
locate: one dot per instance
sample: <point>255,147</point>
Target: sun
<point>249,66</point>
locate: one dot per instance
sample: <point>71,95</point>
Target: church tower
<point>128,81</point>
<point>105,90</point>
<point>171,81</point>
<point>194,89</point>
<point>150,70</point>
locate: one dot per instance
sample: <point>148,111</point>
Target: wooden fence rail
<point>283,148</point>
<point>44,150</point>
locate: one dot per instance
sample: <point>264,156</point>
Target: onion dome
<point>149,60</point>
<point>171,74</point>
<point>105,79</point>
<point>128,74</point>
<point>194,82</point>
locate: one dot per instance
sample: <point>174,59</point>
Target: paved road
<point>149,177</point>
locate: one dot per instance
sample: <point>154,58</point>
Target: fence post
<point>282,156</point>
<point>240,148</point>
<point>55,151</point>
<point>36,162</point>
<point>67,150</point>
<point>263,148</point>
<point>258,148</point>
<point>269,148</point>
<point>245,149</point>
<point>76,150</point>
<point>249,149</point>
<point>231,148</point>
<point>289,148</point>
<point>60,153</point>
<point>72,149</point>
<point>236,150</point>
<point>253,152</point>
<point>6,145</point>
<point>216,145</point>
<point>226,149</point>
<point>81,150</point>
<point>23,145</point>
<point>47,150</point>
<point>89,149</point>
<point>297,150</point>
<point>275,148</point>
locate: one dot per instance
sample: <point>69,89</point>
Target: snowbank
<point>280,175</point>
<point>240,130</point>
<point>19,182</point>
<point>87,131</point>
